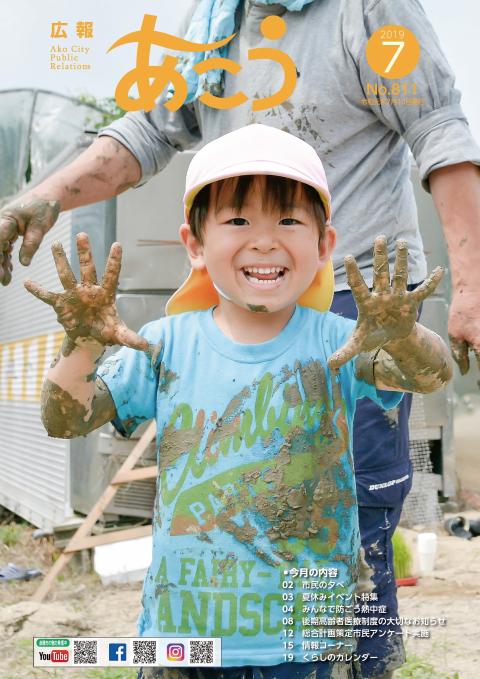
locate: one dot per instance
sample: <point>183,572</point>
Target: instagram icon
<point>175,652</point>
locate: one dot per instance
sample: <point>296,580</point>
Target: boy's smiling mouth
<point>264,276</point>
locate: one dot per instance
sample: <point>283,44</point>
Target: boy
<point>256,499</point>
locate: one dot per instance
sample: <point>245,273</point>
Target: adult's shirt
<point>255,482</point>
<point>364,147</point>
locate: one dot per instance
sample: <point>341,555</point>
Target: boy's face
<point>261,261</point>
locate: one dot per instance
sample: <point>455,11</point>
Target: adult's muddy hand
<point>30,218</point>
<point>389,311</point>
<point>87,309</point>
<point>464,327</point>
<point>6,265</point>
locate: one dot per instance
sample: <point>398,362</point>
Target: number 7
<point>400,44</point>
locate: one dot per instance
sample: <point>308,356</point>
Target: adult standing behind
<point>365,152</point>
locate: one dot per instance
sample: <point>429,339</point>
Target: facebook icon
<point>117,652</point>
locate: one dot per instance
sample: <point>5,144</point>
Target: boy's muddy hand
<point>389,311</point>
<point>30,218</point>
<point>87,309</point>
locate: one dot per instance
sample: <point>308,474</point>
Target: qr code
<point>201,652</point>
<point>84,651</point>
<point>145,651</point>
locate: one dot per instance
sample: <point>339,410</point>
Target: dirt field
<point>80,606</point>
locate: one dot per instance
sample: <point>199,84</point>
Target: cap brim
<point>197,293</point>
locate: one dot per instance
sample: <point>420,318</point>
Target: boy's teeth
<point>263,281</point>
<point>274,272</point>
<point>262,270</point>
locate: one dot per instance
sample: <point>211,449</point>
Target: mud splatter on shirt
<point>255,481</point>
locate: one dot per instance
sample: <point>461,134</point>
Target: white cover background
<point>25,42</point>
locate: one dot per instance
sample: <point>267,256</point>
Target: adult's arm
<point>126,153</point>
<point>102,171</point>
<point>456,192</point>
<point>437,132</point>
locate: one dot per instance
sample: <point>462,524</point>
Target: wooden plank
<point>110,538</point>
<point>134,475</point>
<point>96,511</point>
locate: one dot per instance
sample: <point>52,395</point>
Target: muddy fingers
<point>42,294</point>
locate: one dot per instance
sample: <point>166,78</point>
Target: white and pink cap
<point>256,149</point>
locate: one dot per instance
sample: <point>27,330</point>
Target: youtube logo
<point>55,655</point>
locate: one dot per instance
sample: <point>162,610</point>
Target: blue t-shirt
<point>255,530</point>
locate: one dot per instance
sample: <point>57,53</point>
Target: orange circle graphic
<point>393,51</point>
<point>273,27</point>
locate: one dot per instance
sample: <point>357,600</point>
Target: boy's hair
<point>278,194</point>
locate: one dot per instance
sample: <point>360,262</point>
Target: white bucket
<point>427,552</point>
<point>125,561</point>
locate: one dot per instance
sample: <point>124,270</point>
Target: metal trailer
<point>47,480</point>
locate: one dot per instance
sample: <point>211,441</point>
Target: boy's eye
<point>237,221</point>
<point>289,221</point>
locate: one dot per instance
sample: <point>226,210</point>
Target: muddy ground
<point>79,605</point>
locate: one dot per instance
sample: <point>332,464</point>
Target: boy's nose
<point>264,240</point>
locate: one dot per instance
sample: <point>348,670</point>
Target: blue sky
<point>25,42</point>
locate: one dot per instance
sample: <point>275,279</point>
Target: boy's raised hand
<point>87,309</point>
<point>389,311</point>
